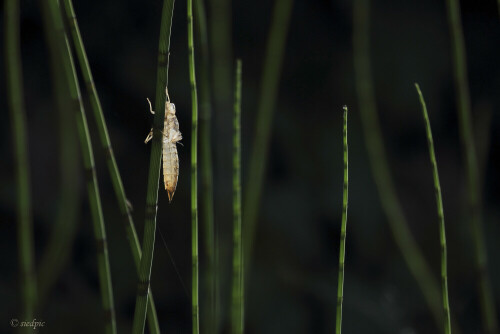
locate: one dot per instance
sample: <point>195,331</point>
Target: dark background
<point>293,284</point>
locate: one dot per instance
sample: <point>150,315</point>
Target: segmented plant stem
<point>209,316</point>
<point>238,289</point>
<point>143,287</point>
<point>488,308</point>
<point>275,50</point>
<point>340,289</point>
<point>194,172</point>
<point>54,23</point>
<point>15,99</point>
<point>440,212</point>
<point>110,158</point>
<point>378,160</point>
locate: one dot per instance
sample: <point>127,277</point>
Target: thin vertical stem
<point>15,100</point>
<point>194,172</point>
<point>268,91</point>
<point>238,289</point>
<point>488,308</point>
<point>440,213</point>
<point>380,168</point>
<point>143,286</point>
<point>53,19</point>
<point>107,148</point>
<point>207,199</point>
<point>340,289</point>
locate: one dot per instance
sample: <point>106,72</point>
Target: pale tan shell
<point>170,157</point>
<point>171,135</point>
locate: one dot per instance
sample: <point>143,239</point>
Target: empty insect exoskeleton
<point>171,135</point>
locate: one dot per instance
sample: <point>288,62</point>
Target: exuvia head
<point>169,108</point>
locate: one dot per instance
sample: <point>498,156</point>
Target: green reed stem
<point>53,19</point>
<point>488,308</point>
<point>238,296</point>
<point>343,229</point>
<point>110,158</point>
<point>439,203</point>
<point>268,91</point>
<point>194,172</point>
<point>380,168</point>
<point>15,99</point>
<point>143,286</point>
<point>210,320</point>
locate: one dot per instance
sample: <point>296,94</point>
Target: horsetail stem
<point>238,296</point>
<point>108,151</point>
<point>194,172</point>
<point>143,286</point>
<point>440,213</point>
<point>410,250</point>
<point>54,23</point>
<point>340,289</point>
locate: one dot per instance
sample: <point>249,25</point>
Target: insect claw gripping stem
<point>149,137</point>
<point>151,107</point>
<point>150,134</point>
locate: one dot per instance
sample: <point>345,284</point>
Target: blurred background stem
<point>210,272</point>
<point>15,99</point>
<point>54,24</point>
<point>378,159</point>
<point>59,249</point>
<point>273,63</point>
<point>463,104</point>
<point>221,42</point>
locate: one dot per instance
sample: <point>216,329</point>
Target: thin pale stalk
<point>275,51</point>
<point>143,286</point>
<point>343,229</point>
<point>209,318</point>
<point>194,172</point>
<point>488,308</point>
<point>108,151</point>
<point>15,99</point>
<point>440,213</point>
<point>380,168</point>
<point>238,289</point>
<point>53,19</point>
